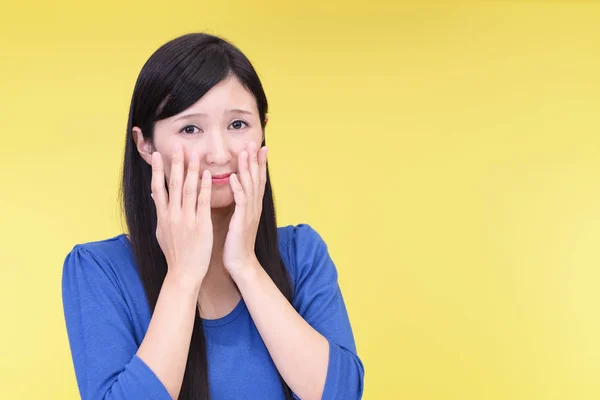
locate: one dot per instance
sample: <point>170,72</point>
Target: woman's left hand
<point>248,191</point>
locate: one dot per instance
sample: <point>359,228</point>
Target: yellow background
<point>448,152</point>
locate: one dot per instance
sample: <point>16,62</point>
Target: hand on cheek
<point>248,188</point>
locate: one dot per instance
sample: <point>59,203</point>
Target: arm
<point>108,363</point>
<point>167,342</point>
<point>313,348</point>
<point>300,353</point>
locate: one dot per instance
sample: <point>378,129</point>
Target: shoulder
<point>102,292</point>
<point>305,253</point>
<point>102,252</point>
<point>299,236</point>
<point>107,260</point>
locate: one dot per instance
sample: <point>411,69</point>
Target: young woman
<point>205,297</point>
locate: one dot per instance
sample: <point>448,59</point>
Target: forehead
<point>226,95</point>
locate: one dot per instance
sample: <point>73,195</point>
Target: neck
<point>218,292</point>
<point>221,217</point>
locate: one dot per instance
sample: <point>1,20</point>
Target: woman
<point>206,297</point>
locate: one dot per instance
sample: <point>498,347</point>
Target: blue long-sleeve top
<point>107,315</point>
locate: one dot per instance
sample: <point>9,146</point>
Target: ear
<point>143,146</point>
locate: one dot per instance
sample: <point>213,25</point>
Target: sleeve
<point>100,332</point>
<point>318,299</point>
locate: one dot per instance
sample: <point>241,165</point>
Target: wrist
<point>246,273</point>
<point>183,284</point>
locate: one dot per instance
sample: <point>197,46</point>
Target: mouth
<point>221,179</point>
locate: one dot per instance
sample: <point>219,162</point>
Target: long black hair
<point>176,76</point>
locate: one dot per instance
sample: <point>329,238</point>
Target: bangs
<point>191,78</point>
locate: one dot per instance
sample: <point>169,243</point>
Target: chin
<point>222,200</point>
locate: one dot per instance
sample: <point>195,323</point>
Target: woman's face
<point>218,126</point>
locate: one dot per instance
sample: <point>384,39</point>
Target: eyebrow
<point>229,111</point>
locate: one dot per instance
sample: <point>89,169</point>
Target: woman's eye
<point>189,129</point>
<point>238,124</point>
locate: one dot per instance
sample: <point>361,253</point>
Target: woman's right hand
<point>184,229</point>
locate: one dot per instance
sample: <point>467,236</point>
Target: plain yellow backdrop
<point>448,152</point>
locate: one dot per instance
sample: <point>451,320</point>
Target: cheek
<point>163,143</point>
<point>239,145</point>
<point>167,157</point>
<point>166,165</point>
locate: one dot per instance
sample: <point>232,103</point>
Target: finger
<point>262,165</point>
<point>157,185</point>
<point>203,209</point>
<point>190,186</point>
<point>238,195</point>
<point>254,169</point>
<point>176,178</point>
<point>244,175</point>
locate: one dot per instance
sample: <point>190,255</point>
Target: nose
<point>217,151</point>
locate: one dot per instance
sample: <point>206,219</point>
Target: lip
<point>222,176</point>
<point>221,179</point>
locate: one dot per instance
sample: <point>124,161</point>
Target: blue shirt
<point>107,316</point>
